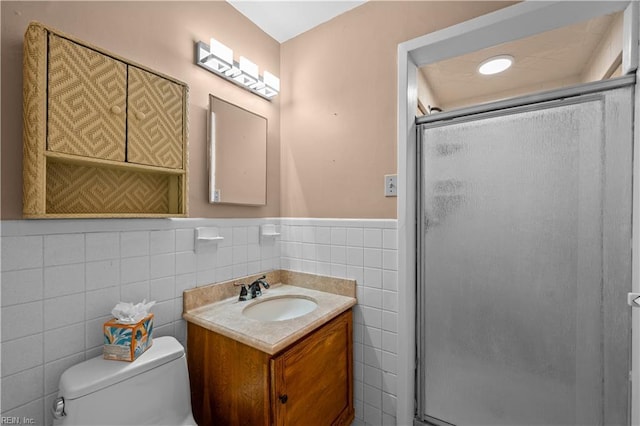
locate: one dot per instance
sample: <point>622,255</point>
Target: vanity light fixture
<point>248,72</point>
<point>221,57</point>
<point>495,64</point>
<point>218,58</point>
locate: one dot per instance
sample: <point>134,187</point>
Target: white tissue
<point>128,313</point>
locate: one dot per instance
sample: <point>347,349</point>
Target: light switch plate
<point>390,185</point>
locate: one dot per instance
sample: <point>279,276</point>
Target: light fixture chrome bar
<point>244,74</point>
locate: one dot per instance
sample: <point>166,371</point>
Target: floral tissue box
<point>126,342</point>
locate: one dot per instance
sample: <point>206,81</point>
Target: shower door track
<point>533,99</point>
<point>549,98</point>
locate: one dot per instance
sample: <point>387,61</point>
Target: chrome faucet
<point>253,289</point>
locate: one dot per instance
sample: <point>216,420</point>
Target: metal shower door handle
<point>633,300</point>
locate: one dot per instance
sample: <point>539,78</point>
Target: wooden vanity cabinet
<point>102,136</point>
<point>308,383</point>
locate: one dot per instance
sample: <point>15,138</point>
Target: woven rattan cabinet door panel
<point>155,120</point>
<point>86,101</point>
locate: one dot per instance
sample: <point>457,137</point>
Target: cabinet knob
<point>140,115</point>
<point>116,109</point>
<point>283,398</point>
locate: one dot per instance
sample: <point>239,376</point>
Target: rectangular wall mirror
<point>237,155</point>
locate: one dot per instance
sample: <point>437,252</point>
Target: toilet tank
<point>152,390</point>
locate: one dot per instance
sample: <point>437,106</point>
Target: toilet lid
<point>97,373</point>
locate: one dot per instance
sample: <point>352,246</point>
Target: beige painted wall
<point>160,35</point>
<point>338,105</point>
<point>337,108</point>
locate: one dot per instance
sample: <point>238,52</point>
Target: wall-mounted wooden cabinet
<point>309,383</point>
<point>102,137</point>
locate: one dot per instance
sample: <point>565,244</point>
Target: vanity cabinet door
<point>312,382</point>
<point>229,380</point>
<point>155,120</point>
<point>86,101</point>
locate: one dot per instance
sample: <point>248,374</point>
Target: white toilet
<point>152,390</point>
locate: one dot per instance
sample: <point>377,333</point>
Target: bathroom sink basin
<point>280,308</point>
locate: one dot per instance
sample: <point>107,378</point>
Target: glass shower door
<point>525,264</point>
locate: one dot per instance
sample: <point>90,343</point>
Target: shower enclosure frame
<point>513,22</point>
<point>588,92</point>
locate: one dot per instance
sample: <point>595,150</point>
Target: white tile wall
<point>60,280</point>
<point>364,250</point>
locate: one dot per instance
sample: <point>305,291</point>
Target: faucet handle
<point>244,294</point>
<point>262,281</point>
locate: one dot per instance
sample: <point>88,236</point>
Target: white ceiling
<point>283,20</point>
<point>542,62</point>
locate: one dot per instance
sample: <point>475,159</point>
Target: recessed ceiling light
<point>495,64</point>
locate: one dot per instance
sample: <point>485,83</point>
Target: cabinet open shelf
<point>111,164</point>
<point>73,188</point>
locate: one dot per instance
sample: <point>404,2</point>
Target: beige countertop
<point>225,316</point>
